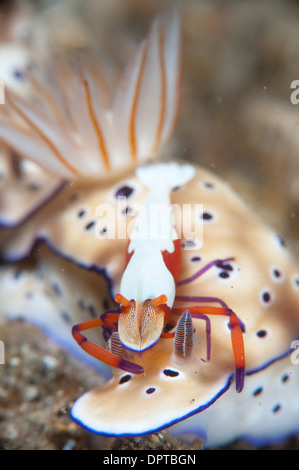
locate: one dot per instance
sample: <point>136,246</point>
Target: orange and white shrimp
<point>148,285</point>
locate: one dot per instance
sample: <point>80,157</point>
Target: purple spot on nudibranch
<point>150,390</point>
<point>124,191</point>
<point>195,259</point>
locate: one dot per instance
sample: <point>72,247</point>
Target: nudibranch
<point>24,185</point>
<point>66,263</point>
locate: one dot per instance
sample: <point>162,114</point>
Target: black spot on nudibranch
<point>170,373</point>
<point>92,311</point>
<point>280,241</point>
<point>261,333</point>
<point>19,75</point>
<point>74,197</point>
<point>127,211</point>
<point>124,379</point>
<point>18,273</point>
<point>56,288</point>
<point>276,408</point>
<point>276,274</point>
<point>81,213</point>
<point>150,390</point>
<point>296,282</point>
<point>224,274</point>
<point>66,316</point>
<point>90,225</point>
<point>80,303</point>
<point>194,259</point>
<point>227,266</point>
<point>207,216</point>
<point>124,191</point>
<point>188,243</point>
<point>226,270</point>
<point>207,185</point>
<point>285,378</point>
<point>257,391</point>
<point>266,297</point>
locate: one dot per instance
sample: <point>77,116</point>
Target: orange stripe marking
<point>102,145</point>
<point>134,106</point>
<point>46,139</point>
<point>163,95</point>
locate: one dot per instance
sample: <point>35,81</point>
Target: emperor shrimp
<point>148,284</point>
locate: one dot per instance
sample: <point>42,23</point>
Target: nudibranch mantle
<point>260,285</point>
